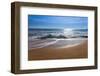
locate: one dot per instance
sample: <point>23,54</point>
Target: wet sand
<point>49,52</point>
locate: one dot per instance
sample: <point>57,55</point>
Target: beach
<point>58,49</point>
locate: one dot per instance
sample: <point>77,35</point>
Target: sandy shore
<point>77,51</point>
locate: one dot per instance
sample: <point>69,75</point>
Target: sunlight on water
<point>68,32</point>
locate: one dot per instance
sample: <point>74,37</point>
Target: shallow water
<point>54,43</point>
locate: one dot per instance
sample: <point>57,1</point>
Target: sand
<point>47,53</point>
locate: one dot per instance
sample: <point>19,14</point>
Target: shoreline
<point>54,43</point>
<point>46,53</point>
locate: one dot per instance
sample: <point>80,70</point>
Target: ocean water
<point>57,33</point>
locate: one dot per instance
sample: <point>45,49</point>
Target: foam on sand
<point>55,43</point>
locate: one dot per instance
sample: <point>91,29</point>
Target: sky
<point>57,22</point>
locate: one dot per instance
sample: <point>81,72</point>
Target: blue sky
<point>57,22</point>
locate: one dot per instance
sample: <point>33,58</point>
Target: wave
<point>60,37</point>
<point>57,33</point>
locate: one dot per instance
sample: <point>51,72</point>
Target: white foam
<point>41,45</point>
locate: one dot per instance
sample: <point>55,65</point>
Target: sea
<point>57,33</point>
